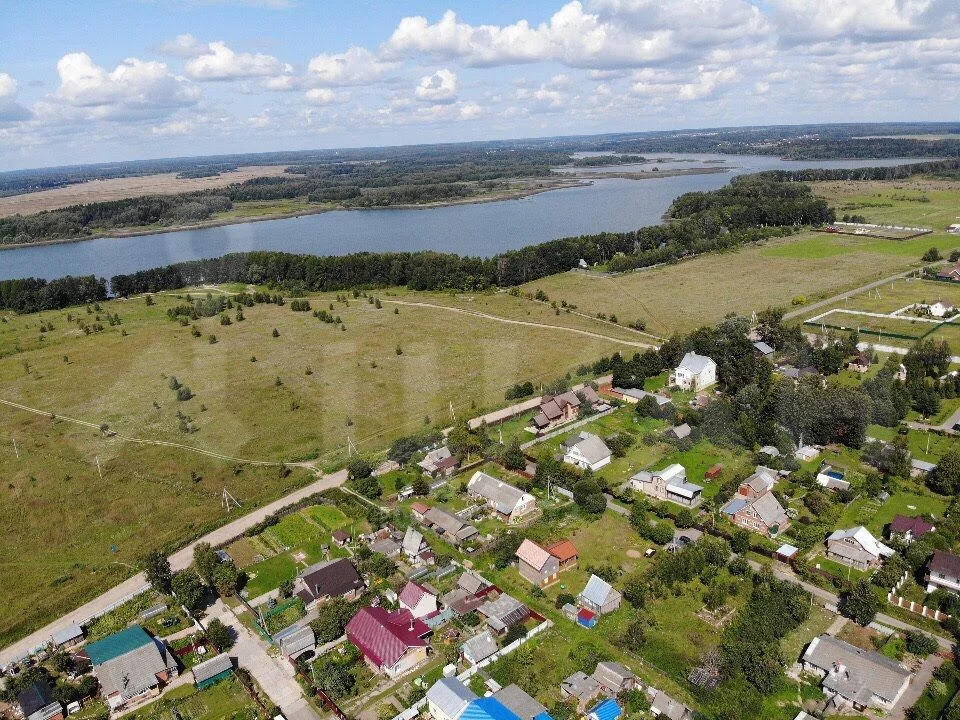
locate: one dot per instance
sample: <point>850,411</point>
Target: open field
<point>119,188</point>
<point>71,534</point>
<point>907,291</point>
<point>919,201</point>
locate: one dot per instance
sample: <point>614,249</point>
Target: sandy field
<point>119,188</point>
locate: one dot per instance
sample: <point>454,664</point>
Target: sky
<point>105,80</point>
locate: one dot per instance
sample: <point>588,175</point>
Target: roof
<point>769,509</point>
<point>132,672</point>
<point>855,673</point>
<point>639,394</point>
<point>479,647</point>
<point>519,702</point>
<point>591,447</point>
<point>597,591</point>
<point>760,481</point>
<point>340,535</point>
<point>735,506</point>
<point>34,698</point>
<point>763,348</point>
<point>915,525</point>
<point>863,537</point>
<point>471,582</point>
<point>332,578</point>
<point>433,458</point>
<point>580,685</point>
<point>412,541</point>
<point>503,612</point>
<point>413,593</point>
<point>612,674</point>
<point>609,709</point>
<point>450,524</point>
<point>383,636</point>
<point>681,431</point>
<point>564,551</point>
<point>922,465</point>
<point>533,555</point>
<point>770,450</point>
<point>386,546</point>
<point>487,708</point>
<point>668,707</point>
<point>298,640</point>
<point>212,667</point>
<point>503,496</point>
<point>787,550</point>
<point>419,507</point>
<point>945,563</point>
<point>65,635</point>
<point>451,696</point>
<point>694,363</point>
<point>121,643</point>
<point>674,472</point>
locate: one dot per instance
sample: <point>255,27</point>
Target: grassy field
<point>916,202</point>
<point>72,534</point>
<point>225,699</point>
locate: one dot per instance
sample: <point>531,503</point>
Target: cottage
<point>520,703</point>
<point>910,527</point>
<point>36,703</point>
<point>131,666</point>
<point>943,571</point>
<point>860,363</point>
<point>600,596</point>
<point>439,463</point>
<point>853,676</point>
<point>341,538</point>
<point>536,564</point>
<point>67,636</point>
<point>413,544</point>
<point>664,705</point>
<point>941,309</point>
<point>669,484</point>
<point>760,483</point>
<point>695,372</point>
<point>447,698</point>
<point>503,613</point>
<point>588,452</point>
<point>756,508</point>
<point>566,554</point>
<point>510,503</point>
<point>582,688</point>
<point>857,547</point>
<point>471,582</point>
<point>327,580</point>
<point>212,671</point>
<point>806,453</point>
<point>832,478</point>
<point>614,677</point>
<point>392,643</point>
<point>448,526</point>
<point>952,273</point>
<point>608,709</point>
<point>418,600</point>
<point>419,510</point>
<point>558,410</point>
<point>479,647</point>
<point>635,395</point>
<point>297,642</point>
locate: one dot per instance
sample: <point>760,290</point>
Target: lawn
<point>820,619</point>
<point>917,201</point>
<point>357,386</point>
<point>267,575</point>
<point>332,518</point>
<point>225,699</point>
<point>293,531</point>
<point>918,441</point>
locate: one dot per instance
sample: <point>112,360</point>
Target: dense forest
<point>942,168</point>
<point>34,294</point>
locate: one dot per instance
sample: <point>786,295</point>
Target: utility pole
<point>351,448</point>
<point>99,471</point>
<point>16,450</point>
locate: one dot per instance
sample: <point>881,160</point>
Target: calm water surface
<point>479,229</point>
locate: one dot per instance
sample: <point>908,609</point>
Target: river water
<point>475,229</point>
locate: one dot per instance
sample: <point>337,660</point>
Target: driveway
<point>918,683</point>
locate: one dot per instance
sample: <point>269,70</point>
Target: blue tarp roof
<point>607,710</point>
<point>488,708</point>
<point>543,716</point>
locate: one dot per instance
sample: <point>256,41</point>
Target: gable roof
<point>36,697</point>
<point>212,667</point>
<point>761,481</point>
<point>66,634</point>
<point>297,640</point>
<point>681,431</point>
<point>864,538</point>
<point>385,637</point>
<point>591,447</point>
<point>132,672</point>
<point>332,578</point>
<point>945,563</point>
<point>118,644</point>
<point>450,524</point>
<point>608,709</point>
<point>480,646</point>
<point>503,496</point>
<point>695,363</point>
<point>532,554</point>
<point>597,591</point>
<point>912,524</point>
<point>412,541</point>
<point>639,394</point>
<point>763,348</point>
<point>451,696</point>
<point>487,708</point>
<point>668,707</point>
<point>413,593</point>
<point>612,674</point>
<point>580,685</point>
<point>769,510</point>
<point>503,612</point>
<point>519,702</point>
<point>864,673</point>
<point>471,582</point>
<point>564,550</point>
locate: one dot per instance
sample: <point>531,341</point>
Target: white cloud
<point>863,19</point>
<point>10,111</point>
<point>356,66</point>
<point>134,89</point>
<point>8,87</point>
<point>321,96</point>
<point>183,46</point>
<point>440,87</point>
<point>222,63</point>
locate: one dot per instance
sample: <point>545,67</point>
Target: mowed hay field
<point>916,202</point>
<point>120,188</point>
<point>61,521</point>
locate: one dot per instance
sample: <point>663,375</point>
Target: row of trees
<point>28,295</point>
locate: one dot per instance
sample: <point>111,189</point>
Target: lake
<point>482,229</point>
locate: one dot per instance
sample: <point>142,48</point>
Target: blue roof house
<point>609,709</point>
<point>488,708</point>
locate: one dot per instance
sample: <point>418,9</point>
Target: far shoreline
<point>574,180</point>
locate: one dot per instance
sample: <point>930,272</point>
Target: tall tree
<point>156,567</point>
<point>205,559</point>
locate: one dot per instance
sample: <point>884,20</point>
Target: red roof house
<point>418,600</point>
<point>910,528</point>
<point>391,642</point>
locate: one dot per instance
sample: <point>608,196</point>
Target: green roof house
<point>131,666</point>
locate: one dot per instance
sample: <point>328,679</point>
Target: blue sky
<point>108,80</point>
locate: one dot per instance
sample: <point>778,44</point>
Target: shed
<point>609,709</point>
<point>786,553</point>
<point>67,636</point>
<point>212,671</point>
<point>587,618</point>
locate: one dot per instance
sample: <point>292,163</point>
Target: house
<point>296,642</point>
<point>770,451</point>
<point>763,350</point>
<point>131,666</point>
<point>419,510</point>
<point>536,564</point>
<point>614,677</point>
<point>910,527</point>
<point>558,410</point>
<point>668,484</point>
<point>943,571</point>
<point>762,514</point>
<point>679,432</point>
<point>391,642</point>
<point>479,647</point>
<point>857,547</point>
<point>471,582</point>
<point>67,637</point>
<point>413,544</point>
<point>635,395</point>
<point>509,503</point>
<point>212,671</point>
<point>566,554</point>
<point>324,581</point>
<point>608,709</point>
<point>448,526</point>
<point>588,452</point>
<point>600,596</point>
<point>664,705</point>
<point>504,612</point>
<point>695,372</point>
<point>439,463</point>
<point>520,703</point>
<point>952,273</point>
<point>806,453</point>
<point>418,600</point>
<point>921,468</point>
<point>954,228</point>
<point>447,698</point>
<point>581,687</point>
<point>36,703</point>
<point>853,676</point>
<point>487,708</point>
<point>941,309</point>
<point>341,538</point>
<point>386,546</point>
<point>861,363</point>
<point>832,478</point>
<point>760,483</point>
